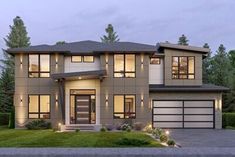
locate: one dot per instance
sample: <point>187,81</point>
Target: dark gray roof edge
<point>203,88</point>
<point>74,74</point>
<point>182,47</point>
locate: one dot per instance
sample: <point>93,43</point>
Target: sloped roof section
<point>161,46</point>
<point>203,88</point>
<point>87,47</point>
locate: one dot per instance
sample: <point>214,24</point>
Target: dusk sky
<point>143,21</point>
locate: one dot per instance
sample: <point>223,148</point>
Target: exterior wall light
<point>106,101</point>
<point>79,78</point>
<point>21,100</point>
<point>167,132</point>
<point>142,100</point>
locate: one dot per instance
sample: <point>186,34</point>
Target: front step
<point>81,127</point>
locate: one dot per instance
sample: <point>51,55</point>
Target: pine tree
<point>183,40</point>
<point>15,39</point>
<point>60,42</point>
<point>111,36</point>
<point>206,68</point>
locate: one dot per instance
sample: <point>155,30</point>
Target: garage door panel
<point>168,125</point>
<point>168,110</point>
<point>168,118</point>
<point>198,124</point>
<point>168,104</point>
<point>198,104</point>
<point>183,114</point>
<point>198,111</point>
<point>198,118</point>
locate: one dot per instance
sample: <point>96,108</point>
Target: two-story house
<point>90,84</point>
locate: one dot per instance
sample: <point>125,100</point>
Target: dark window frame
<point>39,66</point>
<point>124,113</point>
<point>124,72</point>
<point>39,106</point>
<point>155,63</point>
<point>178,66</point>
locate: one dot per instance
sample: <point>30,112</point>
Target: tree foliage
<point>18,37</point>
<point>206,68</point>
<point>183,40</point>
<point>111,36</point>
<point>60,42</point>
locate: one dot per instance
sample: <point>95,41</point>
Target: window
<point>155,60</point>
<point>77,59</point>
<point>39,106</point>
<point>183,67</point>
<point>39,65</point>
<point>124,106</point>
<point>85,59</point>
<point>124,65</point>
<point>88,59</point>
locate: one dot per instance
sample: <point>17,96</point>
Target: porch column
<point>61,83</point>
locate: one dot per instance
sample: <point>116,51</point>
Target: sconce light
<point>21,100</point>
<point>106,101</point>
<point>79,78</point>
<point>142,61</point>
<point>142,100</point>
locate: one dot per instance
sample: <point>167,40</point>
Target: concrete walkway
<point>117,152</point>
<point>204,137</point>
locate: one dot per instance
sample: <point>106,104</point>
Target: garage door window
<point>124,106</point>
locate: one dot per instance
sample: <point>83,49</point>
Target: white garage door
<point>183,114</point>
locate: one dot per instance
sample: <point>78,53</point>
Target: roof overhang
<point>84,75</point>
<point>202,88</point>
<point>161,46</point>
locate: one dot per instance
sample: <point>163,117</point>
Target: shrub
<point>109,127</point>
<point>148,128</point>
<point>171,143</point>
<point>125,126</point>
<point>77,130</point>
<point>138,126</point>
<point>38,125</point>
<point>128,129</point>
<point>163,138</point>
<point>228,119</point>
<point>12,119</point>
<point>157,132</point>
<point>103,129</point>
<point>4,118</point>
<point>132,142</point>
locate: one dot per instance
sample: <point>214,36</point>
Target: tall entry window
<point>124,106</point>
<point>124,65</point>
<point>183,67</point>
<point>39,106</point>
<point>39,65</point>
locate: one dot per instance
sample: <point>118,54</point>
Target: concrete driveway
<point>203,137</point>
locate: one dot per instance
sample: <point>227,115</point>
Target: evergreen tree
<point>60,42</point>
<point>183,40</point>
<point>15,39</point>
<point>111,36</point>
<point>206,68</point>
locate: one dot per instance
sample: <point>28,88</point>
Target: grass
<point>48,138</point>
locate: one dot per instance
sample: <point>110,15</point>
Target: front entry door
<point>82,103</point>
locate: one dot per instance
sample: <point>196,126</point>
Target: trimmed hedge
<point>228,119</point>
<point>4,118</point>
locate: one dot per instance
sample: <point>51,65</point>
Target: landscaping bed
<point>49,138</point>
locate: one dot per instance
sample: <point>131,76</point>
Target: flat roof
<point>161,46</point>
<point>202,88</point>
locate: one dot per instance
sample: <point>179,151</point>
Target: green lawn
<point>48,138</point>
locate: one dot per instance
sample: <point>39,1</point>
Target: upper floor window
<point>85,59</point>
<point>39,65</point>
<point>155,60</point>
<point>39,106</point>
<point>124,65</point>
<point>124,106</point>
<point>183,67</point>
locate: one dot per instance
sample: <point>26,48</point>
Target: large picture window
<point>124,65</point>
<point>124,106</point>
<point>39,106</point>
<point>183,67</point>
<point>39,65</point>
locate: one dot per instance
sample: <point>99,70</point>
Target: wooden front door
<point>82,103</point>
